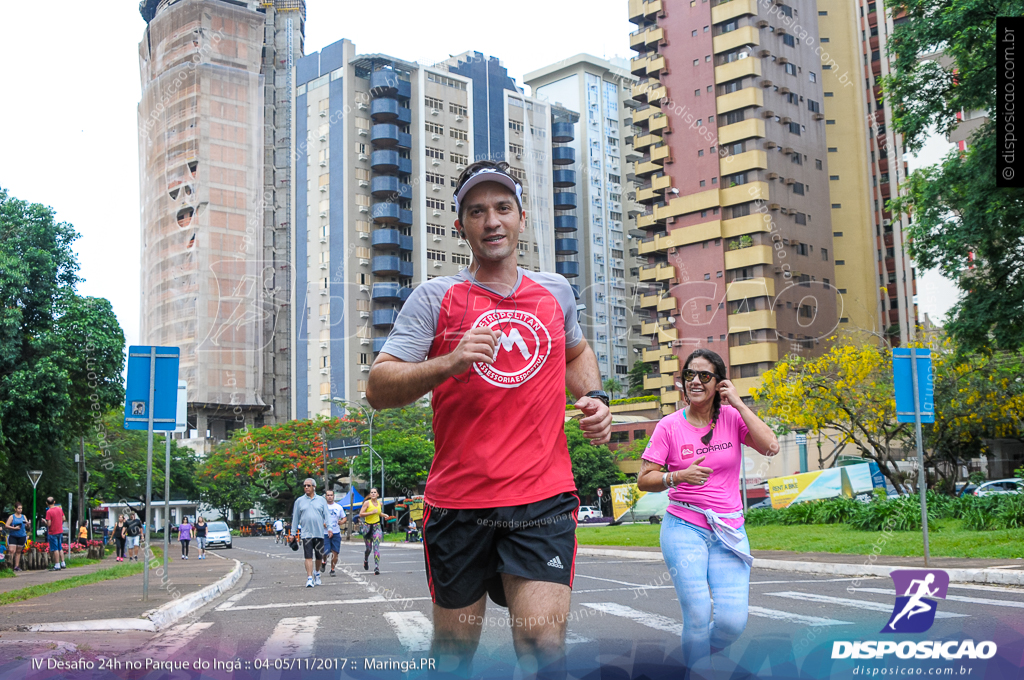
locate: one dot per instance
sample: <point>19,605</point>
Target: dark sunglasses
<point>705,376</point>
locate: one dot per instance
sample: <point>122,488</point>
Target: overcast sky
<point>69,120</point>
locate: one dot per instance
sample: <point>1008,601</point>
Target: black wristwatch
<point>599,394</point>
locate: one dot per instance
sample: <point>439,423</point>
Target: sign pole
<point>921,477</point>
<point>149,474</point>
<point>34,476</point>
<point>167,501</point>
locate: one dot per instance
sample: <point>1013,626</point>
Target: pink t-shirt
<point>676,444</point>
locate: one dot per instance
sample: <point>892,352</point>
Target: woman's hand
<point>696,474</point>
<point>729,394</point>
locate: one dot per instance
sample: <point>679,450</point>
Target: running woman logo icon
<point>914,611</point>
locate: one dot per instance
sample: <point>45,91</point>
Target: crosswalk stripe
<point>1009,590</point>
<point>857,604</point>
<point>230,602</point>
<point>655,621</point>
<point>954,598</point>
<point>611,580</point>
<point>173,641</point>
<point>314,603</point>
<point>414,630</point>
<point>795,618</point>
<point>292,638</point>
<point>572,638</point>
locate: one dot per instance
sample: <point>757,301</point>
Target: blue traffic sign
<point>903,379</point>
<point>164,388</point>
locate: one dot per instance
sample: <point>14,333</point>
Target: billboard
<point>848,481</point>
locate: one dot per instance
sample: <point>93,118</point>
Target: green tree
<point>632,452</point>
<point>592,466</point>
<point>612,386</point>
<point>407,458</point>
<point>636,379</point>
<point>61,354</point>
<point>963,223</point>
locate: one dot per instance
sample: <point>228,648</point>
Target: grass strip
<point>947,539</point>
<point>119,571</point>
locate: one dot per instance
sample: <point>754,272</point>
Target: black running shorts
<point>467,551</point>
<point>313,547</point>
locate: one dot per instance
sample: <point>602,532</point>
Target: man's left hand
<point>597,420</point>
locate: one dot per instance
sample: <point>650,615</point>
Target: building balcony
<point>741,162</point>
<point>390,161</point>
<point>746,35</point>
<point>751,321</point>
<point>643,9</point>
<point>385,83</point>
<point>386,292</point>
<point>661,154</point>
<point>730,10</point>
<point>384,135</point>
<point>740,99</point>
<point>566,246</point>
<point>668,365</point>
<point>658,124</point>
<point>564,223</point>
<point>563,178</point>
<point>386,265</point>
<point>567,268</point>
<point>389,187</point>
<point>748,257</point>
<point>389,111</point>
<point>385,213</point>
<point>638,65</point>
<point>563,155</point>
<point>378,343</point>
<point>656,65</point>
<point>405,269</point>
<point>657,272</point>
<point>754,353</point>
<point>656,382</point>
<point>738,69</point>
<point>562,133</point>
<point>642,116</point>
<point>741,193</point>
<point>575,290</point>
<point>383,318</point>
<point>750,288</point>
<point>748,224</point>
<point>565,200</point>
<point>650,355</point>
<point>386,239</point>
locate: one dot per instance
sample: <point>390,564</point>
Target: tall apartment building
<point>868,168</point>
<point>734,184</point>
<point>213,163</point>
<point>379,144</point>
<point>598,89</point>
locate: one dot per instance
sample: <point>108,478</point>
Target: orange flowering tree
<point>267,465</point>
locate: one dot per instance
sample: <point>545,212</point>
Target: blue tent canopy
<point>348,502</point>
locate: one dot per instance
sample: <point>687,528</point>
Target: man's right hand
<point>477,345</point>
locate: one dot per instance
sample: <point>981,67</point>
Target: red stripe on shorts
<point>426,555</point>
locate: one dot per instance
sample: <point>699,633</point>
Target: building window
<point>435,229</point>
<point>433,103</point>
<point>457,109</point>
<point>435,178</point>
<point>435,203</point>
<point>435,255</point>
<point>836,206</point>
<point>458,158</point>
<point>798,188</point>
<point>812,76</point>
<point>435,128</point>
<point>833,178</point>
<point>431,152</point>
<point>824,254</point>
<point>839,262</point>
<point>515,149</point>
<point>455,133</point>
<point>787,39</point>
<point>790,68</point>
<point>800,218</point>
<point>515,126</point>
<point>445,80</point>
<point>460,258</point>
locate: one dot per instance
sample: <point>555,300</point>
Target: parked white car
<point>996,486</point>
<point>218,534</point>
<point>588,512</point>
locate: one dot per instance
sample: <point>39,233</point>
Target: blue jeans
<point>697,562</point>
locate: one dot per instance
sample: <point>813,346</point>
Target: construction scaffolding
<point>201,152</point>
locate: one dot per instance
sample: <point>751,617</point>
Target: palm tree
<point>612,386</point>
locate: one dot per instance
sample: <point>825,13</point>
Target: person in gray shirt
<point>309,516</point>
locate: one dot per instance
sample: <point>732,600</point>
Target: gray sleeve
<point>558,286</point>
<point>416,325</point>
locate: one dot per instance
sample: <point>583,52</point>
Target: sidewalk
<point>117,603</point>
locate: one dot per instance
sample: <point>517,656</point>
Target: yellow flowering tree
<point>848,390</point>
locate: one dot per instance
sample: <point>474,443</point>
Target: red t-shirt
<point>56,517</point>
<point>499,433</point>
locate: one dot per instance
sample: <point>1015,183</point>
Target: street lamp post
<point>368,414</point>
<point>34,476</point>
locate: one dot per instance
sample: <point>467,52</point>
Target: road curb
<point>154,620</point>
<point>956,575</point>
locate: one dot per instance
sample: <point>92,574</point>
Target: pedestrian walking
<point>184,537</point>
<point>370,513</point>
<point>200,531</point>
<point>133,530</point>
<point>17,533</point>
<point>309,516</point>
<point>496,346</point>
<point>55,534</point>
<point>106,533</point>
<point>696,454</point>
<point>120,537</point>
<point>332,539</point>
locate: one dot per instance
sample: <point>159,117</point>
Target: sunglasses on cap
<point>705,376</point>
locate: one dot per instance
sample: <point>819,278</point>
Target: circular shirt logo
<point>524,344</point>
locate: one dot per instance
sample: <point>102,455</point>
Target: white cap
<point>489,175</point>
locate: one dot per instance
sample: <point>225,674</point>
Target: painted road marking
<point>954,598</point>
<point>292,639</point>
<point>655,621</point>
<point>414,630</point>
<point>170,643</point>
<point>857,604</point>
<point>795,618</point>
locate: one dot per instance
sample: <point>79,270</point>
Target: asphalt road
<point>624,615</point>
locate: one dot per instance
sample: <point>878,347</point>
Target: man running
<point>309,516</point>
<point>279,531</point>
<point>133,530</point>
<point>332,540</point>
<point>55,533</point>
<point>496,346</point>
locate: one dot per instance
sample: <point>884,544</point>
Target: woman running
<point>695,453</point>
<point>200,529</point>
<point>120,537</point>
<point>370,513</point>
<point>184,535</point>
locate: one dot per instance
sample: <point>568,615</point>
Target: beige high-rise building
<point>734,182</point>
